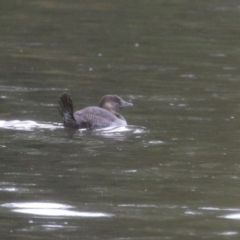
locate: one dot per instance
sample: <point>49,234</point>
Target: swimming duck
<point>103,115</point>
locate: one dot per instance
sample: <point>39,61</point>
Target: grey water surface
<point>173,173</point>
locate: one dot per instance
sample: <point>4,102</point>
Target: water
<point>173,173</point>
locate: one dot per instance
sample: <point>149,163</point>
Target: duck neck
<point>118,115</point>
<point>108,107</point>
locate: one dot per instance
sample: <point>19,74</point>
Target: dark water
<point>174,173</point>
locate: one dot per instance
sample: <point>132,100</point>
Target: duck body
<point>96,117</point>
<point>103,115</point>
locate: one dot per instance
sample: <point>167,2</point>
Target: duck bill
<point>126,104</point>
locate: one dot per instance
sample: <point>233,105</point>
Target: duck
<point>101,116</point>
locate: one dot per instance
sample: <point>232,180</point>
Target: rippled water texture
<point>173,172</point>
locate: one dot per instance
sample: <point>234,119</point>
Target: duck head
<point>113,103</point>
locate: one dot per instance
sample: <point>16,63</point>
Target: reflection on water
<point>116,133</point>
<point>50,209</point>
<point>27,125</point>
<point>232,216</point>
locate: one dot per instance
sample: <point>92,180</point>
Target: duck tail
<point>66,110</point>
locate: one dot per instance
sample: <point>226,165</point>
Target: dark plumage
<point>105,115</point>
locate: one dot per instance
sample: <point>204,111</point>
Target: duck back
<point>96,117</point>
